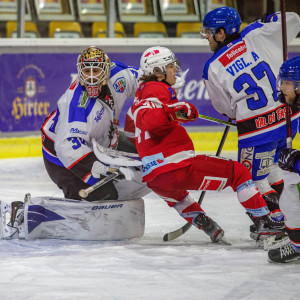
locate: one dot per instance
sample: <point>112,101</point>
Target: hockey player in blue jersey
<point>241,81</point>
<point>89,109</point>
<point>289,160</point>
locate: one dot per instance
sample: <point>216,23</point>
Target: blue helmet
<point>226,17</point>
<point>290,70</point>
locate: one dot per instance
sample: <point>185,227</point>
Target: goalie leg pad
<point>11,217</point>
<point>60,218</point>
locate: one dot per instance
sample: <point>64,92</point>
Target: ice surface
<point>190,267</point>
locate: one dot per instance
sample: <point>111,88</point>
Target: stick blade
<point>177,233</point>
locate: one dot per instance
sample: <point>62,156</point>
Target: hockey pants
<point>71,184</point>
<point>211,174</point>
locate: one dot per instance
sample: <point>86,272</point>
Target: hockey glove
<point>182,112</point>
<point>287,159</point>
<point>99,169</point>
<point>131,174</point>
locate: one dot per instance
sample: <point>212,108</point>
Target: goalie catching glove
<point>287,159</point>
<point>127,173</point>
<point>181,112</point>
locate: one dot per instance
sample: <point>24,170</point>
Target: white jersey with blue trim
<point>241,81</point>
<point>68,131</point>
<point>123,84</point>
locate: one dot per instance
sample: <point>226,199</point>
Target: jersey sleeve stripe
<point>78,160</point>
<point>45,123</point>
<point>250,28</point>
<point>51,158</point>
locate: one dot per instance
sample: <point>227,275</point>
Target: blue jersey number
<point>77,142</point>
<point>259,71</point>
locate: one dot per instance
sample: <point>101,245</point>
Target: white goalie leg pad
<point>58,218</point>
<point>7,230</point>
<point>131,189</point>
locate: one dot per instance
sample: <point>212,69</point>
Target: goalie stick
<point>177,233</point>
<point>84,193</point>
<point>115,157</point>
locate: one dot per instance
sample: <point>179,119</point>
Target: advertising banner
<point>31,85</point>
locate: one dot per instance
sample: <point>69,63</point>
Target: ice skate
<point>210,227</point>
<point>12,220</point>
<point>285,252</point>
<point>265,227</point>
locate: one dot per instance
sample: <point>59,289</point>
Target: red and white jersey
<point>162,144</point>
<point>241,81</point>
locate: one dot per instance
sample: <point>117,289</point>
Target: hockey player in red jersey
<point>170,166</point>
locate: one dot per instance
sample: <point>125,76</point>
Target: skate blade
<point>225,242</point>
<point>295,260</point>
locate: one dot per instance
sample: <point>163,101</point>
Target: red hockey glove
<point>182,111</point>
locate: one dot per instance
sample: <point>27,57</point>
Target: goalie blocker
<point>59,218</point>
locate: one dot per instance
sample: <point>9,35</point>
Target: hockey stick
<point>84,193</point>
<point>285,57</point>
<point>115,157</point>
<point>217,120</point>
<point>177,233</point>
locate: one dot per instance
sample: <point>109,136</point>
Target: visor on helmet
<point>204,31</point>
<point>281,79</point>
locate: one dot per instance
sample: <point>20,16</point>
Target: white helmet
<point>157,57</point>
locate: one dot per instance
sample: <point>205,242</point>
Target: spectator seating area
<point>70,29</point>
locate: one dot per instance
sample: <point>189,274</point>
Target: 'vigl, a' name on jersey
<point>241,81</point>
<point>68,131</point>
<point>162,144</point>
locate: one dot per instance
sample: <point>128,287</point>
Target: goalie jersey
<point>68,131</point>
<point>241,81</point>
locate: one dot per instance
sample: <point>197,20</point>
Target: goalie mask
<point>288,81</point>
<point>93,67</point>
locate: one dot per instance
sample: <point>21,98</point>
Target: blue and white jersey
<point>241,81</point>
<point>67,132</point>
<point>123,84</point>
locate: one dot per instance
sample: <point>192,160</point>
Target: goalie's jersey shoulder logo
<point>120,85</point>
